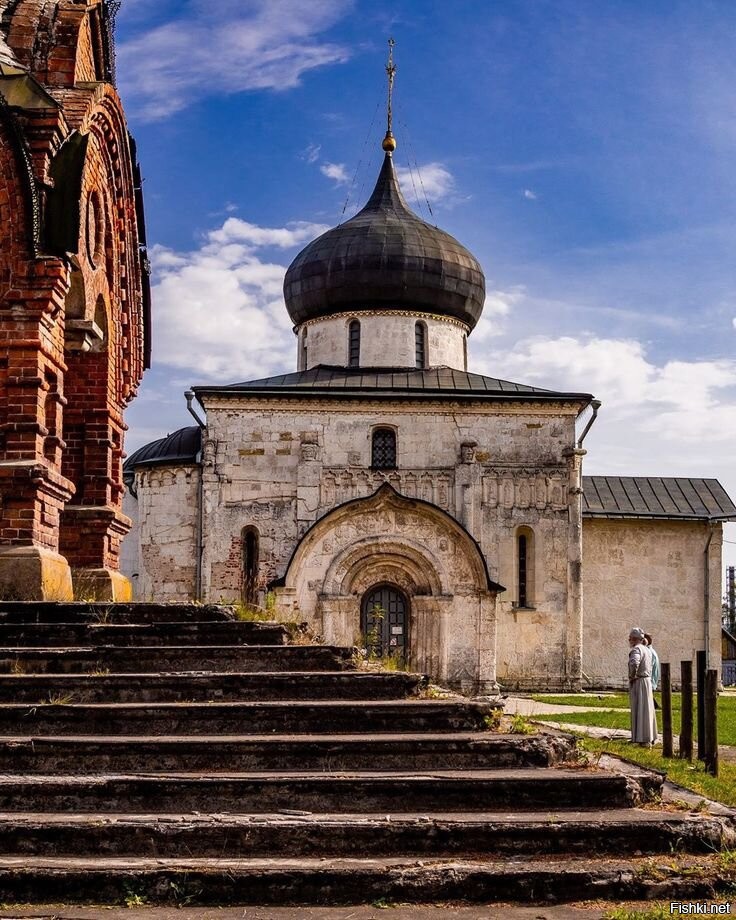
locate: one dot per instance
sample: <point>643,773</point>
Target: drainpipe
<point>199,524</point>
<point>595,405</point>
<point>706,593</point>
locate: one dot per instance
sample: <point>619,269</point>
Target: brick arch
<point>18,184</point>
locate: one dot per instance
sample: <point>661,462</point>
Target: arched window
<point>354,344</point>
<point>383,449</point>
<point>250,565</point>
<point>303,351</point>
<point>465,350</point>
<point>524,567</point>
<point>420,344</point>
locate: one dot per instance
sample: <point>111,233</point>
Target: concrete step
<point>135,660</point>
<point>183,686</point>
<point>460,751</point>
<point>256,793</point>
<point>195,881</point>
<point>30,612</point>
<point>53,636</point>
<point>292,717</point>
<point>629,832</point>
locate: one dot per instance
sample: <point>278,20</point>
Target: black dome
<point>179,448</point>
<point>385,258</point>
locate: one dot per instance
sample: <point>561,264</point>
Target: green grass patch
<point>690,775</point>
<point>604,700</point>
<point>619,716</point>
<point>652,912</point>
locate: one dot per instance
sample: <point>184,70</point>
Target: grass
<point>689,775</point>
<point>656,911</point>
<point>619,716</point>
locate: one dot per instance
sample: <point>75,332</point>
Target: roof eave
<point>633,515</point>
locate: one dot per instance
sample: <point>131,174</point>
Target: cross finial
<point>389,142</point>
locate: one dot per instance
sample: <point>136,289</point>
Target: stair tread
<point>193,672</point>
<point>360,739</point>
<point>234,704</point>
<point>561,774</point>
<point>609,816</point>
<point>508,863</point>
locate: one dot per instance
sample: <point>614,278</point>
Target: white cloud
<point>335,171</point>
<point>219,310</point>
<point>529,194</point>
<point>433,179</point>
<point>224,46</point>
<point>497,307</point>
<point>311,153</point>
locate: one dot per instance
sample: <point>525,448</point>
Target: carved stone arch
<point>373,560</point>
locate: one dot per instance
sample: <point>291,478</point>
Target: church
<point>384,490</point>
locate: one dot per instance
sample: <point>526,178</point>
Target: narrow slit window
<point>383,453</point>
<point>354,344</point>
<point>420,345</point>
<point>303,352</point>
<point>250,565</point>
<point>523,548</point>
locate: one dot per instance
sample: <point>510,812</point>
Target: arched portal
<point>384,620</point>
<point>419,552</point>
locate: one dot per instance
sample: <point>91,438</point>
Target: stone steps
<point>204,774</point>
<point>33,613</point>
<point>255,793</point>
<point>132,660</point>
<point>218,753</point>
<point>237,718</point>
<point>230,836</point>
<point>62,636</point>
<point>220,882</point>
<point>183,686</point>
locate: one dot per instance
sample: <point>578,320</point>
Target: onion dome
<point>385,258</point>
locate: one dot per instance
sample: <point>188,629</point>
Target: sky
<point>583,150</point>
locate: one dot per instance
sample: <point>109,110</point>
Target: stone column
<point>487,643</point>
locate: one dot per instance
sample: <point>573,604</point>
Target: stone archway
<point>415,546</point>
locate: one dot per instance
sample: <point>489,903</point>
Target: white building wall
<point>386,340</point>
<point>130,547</point>
<point>649,574</point>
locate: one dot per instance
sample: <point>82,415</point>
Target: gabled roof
<point>388,382</point>
<point>672,498</point>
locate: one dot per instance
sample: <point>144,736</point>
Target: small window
<point>383,453</point>
<point>303,351</point>
<point>465,351</point>
<point>524,567</point>
<point>354,344</point>
<point>420,345</point>
<point>250,565</point>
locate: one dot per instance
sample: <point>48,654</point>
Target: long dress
<point>643,716</point>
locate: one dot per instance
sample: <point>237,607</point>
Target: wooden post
<point>711,722</point>
<point>667,750</point>
<point>700,687</point>
<point>686,723</point>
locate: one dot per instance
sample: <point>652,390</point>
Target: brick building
<point>74,300</point>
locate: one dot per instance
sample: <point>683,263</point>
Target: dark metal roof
<point>181,447</point>
<point>656,497</point>
<point>385,258</point>
<point>388,382</point>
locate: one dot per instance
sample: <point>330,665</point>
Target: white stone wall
<point>280,465</point>
<point>386,340</point>
<point>130,547</point>
<point>649,574</point>
<point>167,512</point>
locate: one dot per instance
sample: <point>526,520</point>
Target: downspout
<point>595,405</point>
<point>706,593</point>
<point>199,523</point>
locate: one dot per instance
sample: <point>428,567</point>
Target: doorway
<point>384,621</point>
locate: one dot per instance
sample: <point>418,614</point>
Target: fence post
<point>700,687</point>
<point>686,724</point>
<point>666,711</point>
<point>711,722</point>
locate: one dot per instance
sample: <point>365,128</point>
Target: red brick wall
<point>65,382</point>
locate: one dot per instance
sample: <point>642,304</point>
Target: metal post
<point>711,722</point>
<point>686,723</point>
<point>700,687</point>
<point>667,750</point>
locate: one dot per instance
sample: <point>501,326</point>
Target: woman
<point>643,717</point>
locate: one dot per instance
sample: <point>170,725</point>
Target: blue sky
<point>584,150</point>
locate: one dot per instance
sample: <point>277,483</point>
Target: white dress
<point>643,716</point>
